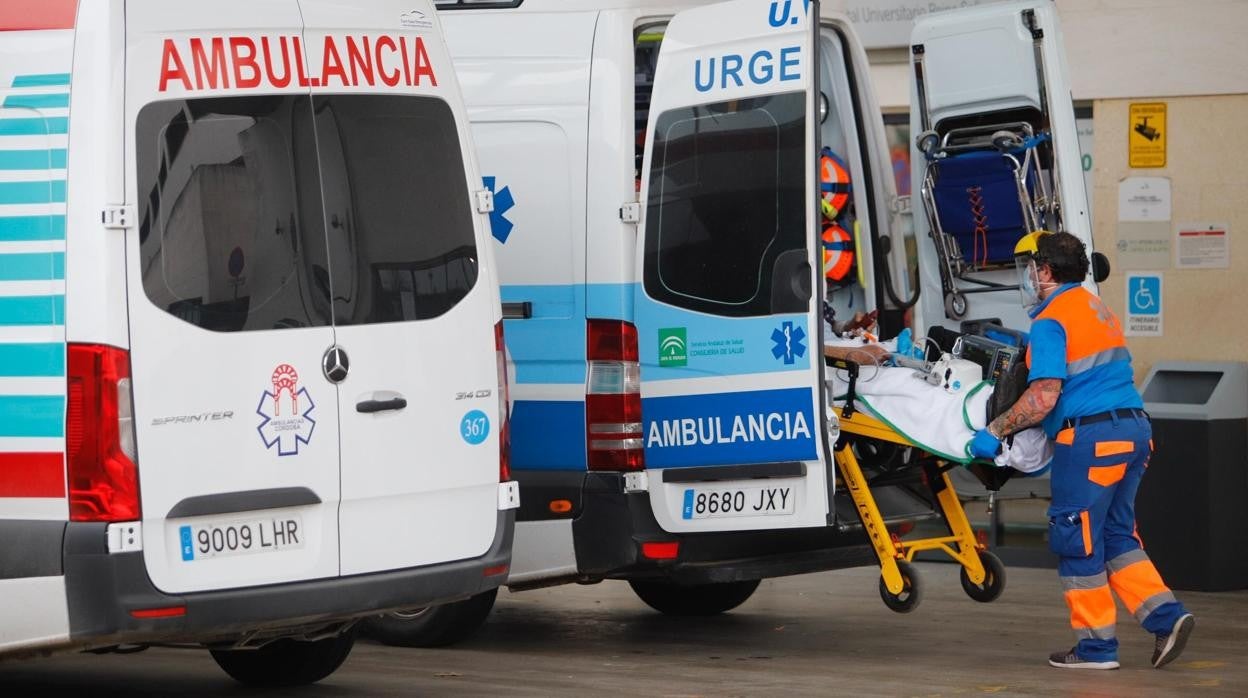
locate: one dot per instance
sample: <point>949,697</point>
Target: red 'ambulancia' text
<point>244,62</point>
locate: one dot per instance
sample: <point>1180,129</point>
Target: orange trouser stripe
<point>1087,532</point>
<point>1137,582</point>
<point>1114,448</point>
<point>1066,437</point>
<point>1107,475</point>
<point>1091,608</point>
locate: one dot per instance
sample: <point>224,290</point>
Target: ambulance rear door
<point>728,258</point>
<point>414,299</point>
<point>229,298</point>
<point>976,72</point>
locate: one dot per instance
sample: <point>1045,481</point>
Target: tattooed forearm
<point>1036,403</point>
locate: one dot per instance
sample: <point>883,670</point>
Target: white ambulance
<point>659,238</point>
<point>251,361</point>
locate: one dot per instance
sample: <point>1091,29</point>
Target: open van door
<point>727,315</point>
<point>995,155</point>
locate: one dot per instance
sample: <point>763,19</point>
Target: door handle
<point>381,402</point>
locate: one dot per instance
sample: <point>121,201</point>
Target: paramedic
<point>1081,389</point>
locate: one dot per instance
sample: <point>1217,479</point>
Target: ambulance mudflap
<point>732,416</point>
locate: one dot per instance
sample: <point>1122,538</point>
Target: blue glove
<point>984,445</point>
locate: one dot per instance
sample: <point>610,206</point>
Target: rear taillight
<point>613,397</point>
<point>99,435</point>
<point>504,406</point>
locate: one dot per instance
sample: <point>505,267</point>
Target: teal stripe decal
<point>56,101</point>
<point>32,228</point>
<point>34,127</point>
<point>32,415</point>
<point>32,159</point>
<point>45,80</point>
<point>32,266</point>
<point>32,360</point>
<point>49,192</point>
<point>32,310</point>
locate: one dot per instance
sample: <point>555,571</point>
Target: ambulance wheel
<point>911,591</point>
<point>693,599</point>
<point>286,662</point>
<point>435,626</point>
<point>955,306</point>
<point>994,579</point>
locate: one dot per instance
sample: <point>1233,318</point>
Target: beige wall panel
<point>1205,311</point>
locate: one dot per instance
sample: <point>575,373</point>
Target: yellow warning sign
<point>1146,138</point>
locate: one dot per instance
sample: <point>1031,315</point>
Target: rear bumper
<point>103,590</point>
<point>609,528</point>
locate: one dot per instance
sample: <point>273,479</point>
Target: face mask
<point>1028,282</point>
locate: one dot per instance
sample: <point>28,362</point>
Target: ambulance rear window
<point>726,203</point>
<point>274,212</point>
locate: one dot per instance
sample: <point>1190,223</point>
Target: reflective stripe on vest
<point>1093,334</point>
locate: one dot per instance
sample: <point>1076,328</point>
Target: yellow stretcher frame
<point>887,549</point>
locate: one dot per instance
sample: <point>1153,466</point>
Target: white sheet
<point>941,423</point>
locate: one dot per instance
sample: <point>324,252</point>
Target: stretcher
<point>982,573</point>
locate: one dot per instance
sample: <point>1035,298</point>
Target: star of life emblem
<point>286,413</point>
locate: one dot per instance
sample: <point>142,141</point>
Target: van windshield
<point>273,212</point>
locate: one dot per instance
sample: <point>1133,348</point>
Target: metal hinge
<point>636,482</point>
<point>631,212</point>
<point>117,217</point>
<point>900,205</point>
<point>485,201</point>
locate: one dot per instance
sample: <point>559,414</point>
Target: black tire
<point>955,305</point>
<point>286,662</point>
<point>435,626</point>
<point>994,579</point>
<point>693,599</point>
<point>911,592</point>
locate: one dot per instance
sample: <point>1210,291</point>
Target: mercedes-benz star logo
<point>335,364</point>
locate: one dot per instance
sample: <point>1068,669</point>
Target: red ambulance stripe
<point>32,475</point>
<point>24,15</point>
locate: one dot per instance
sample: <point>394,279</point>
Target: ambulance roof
<point>657,6</point>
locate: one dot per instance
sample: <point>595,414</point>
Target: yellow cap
<point>1029,243</point>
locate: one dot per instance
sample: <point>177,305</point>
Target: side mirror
<point>1100,267</point>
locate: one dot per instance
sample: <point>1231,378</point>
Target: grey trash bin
<point>1190,507</point>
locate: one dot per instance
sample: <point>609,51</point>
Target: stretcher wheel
<point>994,579</point>
<point>911,591</point>
<point>955,305</point>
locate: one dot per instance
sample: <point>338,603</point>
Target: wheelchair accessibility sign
<point>1144,305</point>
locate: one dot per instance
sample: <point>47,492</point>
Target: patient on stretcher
<point>936,420</point>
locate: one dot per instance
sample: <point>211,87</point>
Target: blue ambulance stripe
<point>548,435</point>
<point>52,101</point>
<point>32,159</point>
<point>47,192</point>
<point>50,126</point>
<point>43,80</point>
<point>32,266</point>
<point>32,360</point>
<point>32,310</point>
<point>32,416</point>
<point>32,228</point>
